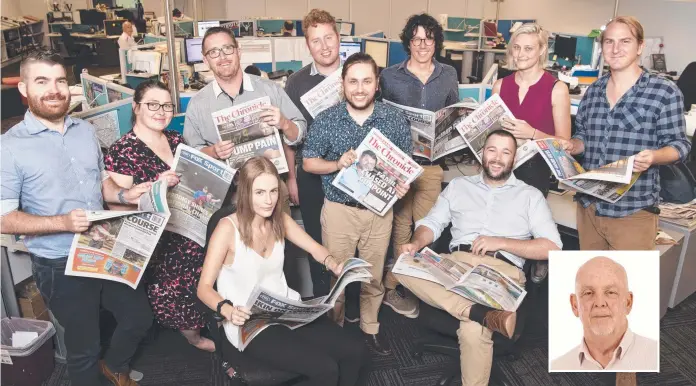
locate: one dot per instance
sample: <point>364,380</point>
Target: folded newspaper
<point>119,244</point>
<point>372,179</point>
<point>268,309</point>
<point>477,125</point>
<point>434,134</point>
<point>680,214</point>
<point>480,284</point>
<point>324,95</point>
<point>251,137</point>
<point>609,182</point>
<point>203,184</point>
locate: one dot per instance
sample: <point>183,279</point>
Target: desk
<point>105,47</point>
<point>685,278</point>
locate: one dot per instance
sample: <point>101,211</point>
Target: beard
<point>368,103</point>
<point>226,72</point>
<point>39,107</point>
<point>504,173</point>
<point>603,328</point>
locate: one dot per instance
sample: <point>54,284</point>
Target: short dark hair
<point>176,12</point>
<point>142,89</point>
<point>217,30</point>
<point>40,56</point>
<point>359,57</point>
<point>369,153</point>
<point>253,70</point>
<point>502,133</point>
<point>432,28</point>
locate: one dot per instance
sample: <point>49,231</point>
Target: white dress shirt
<point>514,210</point>
<point>634,353</point>
<point>126,41</point>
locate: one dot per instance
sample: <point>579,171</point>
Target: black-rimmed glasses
<point>154,106</point>
<point>227,50</point>
<point>420,41</point>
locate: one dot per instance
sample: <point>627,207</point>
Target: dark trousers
<point>322,352</point>
<point>311,195</point>
<point>536,173</point>
<point>75,302</point>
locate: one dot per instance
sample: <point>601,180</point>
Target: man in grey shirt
<point>497,220</point>
<point>232,87</point>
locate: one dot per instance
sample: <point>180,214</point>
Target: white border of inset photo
<point>565,329</point>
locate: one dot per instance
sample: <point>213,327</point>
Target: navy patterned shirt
<point>334,132</point>
<point>649,116</point>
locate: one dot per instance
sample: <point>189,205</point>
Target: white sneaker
<point>403,303</point>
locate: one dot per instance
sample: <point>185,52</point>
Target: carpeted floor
<point>169,360</point>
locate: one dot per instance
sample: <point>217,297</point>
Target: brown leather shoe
<point>117,379</point>
<point>502,322</point>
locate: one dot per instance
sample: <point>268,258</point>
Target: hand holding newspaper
<point>434,134</point>
<point>268,309</point>
<point>324,95</point>
<point>372,179</point>
<point>251,137</point>
<point>480,284</point>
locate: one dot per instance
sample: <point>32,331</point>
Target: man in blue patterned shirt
<point>627,112</point>
<point>347,225</point>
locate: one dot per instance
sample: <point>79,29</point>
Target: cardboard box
<point>30,301</point>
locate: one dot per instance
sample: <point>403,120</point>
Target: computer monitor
<point>347,49</point>
<point>194,50</point>
<point>92,17</point>
<point>379,51</point>
<point>114,27</point>
<point>565,47</point>
<point>205,25</point>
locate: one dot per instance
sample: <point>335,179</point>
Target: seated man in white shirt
<point>602,301</point>
<point>497,220</point>
<point>127,40</point>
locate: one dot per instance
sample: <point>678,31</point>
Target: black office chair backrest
<point>68,41</point>
<point>687,85</point>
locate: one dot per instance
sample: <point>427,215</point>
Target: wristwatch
<point>222,303</point>
<point>120,196</point>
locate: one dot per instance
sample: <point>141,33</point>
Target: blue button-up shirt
<point>400,86</point>
<point>46,173</point>
<point>649,116</point>
<point>334,132</point>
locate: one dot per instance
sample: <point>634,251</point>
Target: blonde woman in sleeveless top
<point>247,248</point>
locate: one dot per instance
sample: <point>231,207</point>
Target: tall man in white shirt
<point>496,220</point>
<point>127,38</point>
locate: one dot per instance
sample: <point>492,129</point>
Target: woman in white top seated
<point>246,249</point>
<point>127,40</point>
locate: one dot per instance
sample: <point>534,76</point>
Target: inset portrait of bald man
<point>602,301</point>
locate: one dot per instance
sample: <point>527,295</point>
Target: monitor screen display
<point>194,47</point>
<point>379,51</point>
<point>204,25</point>
<point>347,49</point>
<point>565,47</point>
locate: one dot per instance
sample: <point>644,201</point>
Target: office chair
<point>249,371</point>
<point>440,328</point>
<point>76,55</point>
<point>687,85</point>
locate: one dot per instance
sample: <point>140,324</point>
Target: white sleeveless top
<point>236,281</point>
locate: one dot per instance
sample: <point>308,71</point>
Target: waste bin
<point>32,363</point>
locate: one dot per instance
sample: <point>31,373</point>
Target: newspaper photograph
<point>203,184</point>
<point>485,119</point>
<point>324,95</point>
<point>481,284</point>
<point>372,179</point>
<point>433,133</point>
<point>118,244</point>
<point>268,309</point>
<point>251,137</point>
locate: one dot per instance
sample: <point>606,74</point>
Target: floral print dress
<point>175,267</point>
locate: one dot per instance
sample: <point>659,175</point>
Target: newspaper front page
<point>480,284</point>
<point>434,134</point>
<point>608,183</point>
<point>203,184</point>
<point>118,244</point>
<point>477,125</point>
<point>268,309</point>
<point>324,95</point>
<point>372,179</point>
<point>251,137</point>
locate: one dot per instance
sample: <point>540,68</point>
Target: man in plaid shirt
<point>627,112</point>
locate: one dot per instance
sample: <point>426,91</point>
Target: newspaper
<point>251,137</point>
<point>324,95</point>
<point>480,284</point>
<point>434,134</point>
<point>118,244</point>
<point>203,184</point>
<point>476,126</point>
<point>680,214</point>
<point>372,179</point>
<point>609,182</point>
<point>268,309</point>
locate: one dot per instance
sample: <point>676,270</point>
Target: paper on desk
<point>23,338</point>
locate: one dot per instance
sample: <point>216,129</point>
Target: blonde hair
<point>318,16</point>
<point>632,23</point>
<point>530,29</point>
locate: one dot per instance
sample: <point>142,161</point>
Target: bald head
<point>601,266</point>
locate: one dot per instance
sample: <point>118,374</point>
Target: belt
<point>354,205</point>
<point>494,254</point>
<point>424,161</point>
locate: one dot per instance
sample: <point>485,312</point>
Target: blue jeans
<point>75,302</point>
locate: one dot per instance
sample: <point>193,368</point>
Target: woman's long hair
<point>252,169</point>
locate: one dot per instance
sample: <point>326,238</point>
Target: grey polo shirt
<point>400,86</point>
<point>199,129</point>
